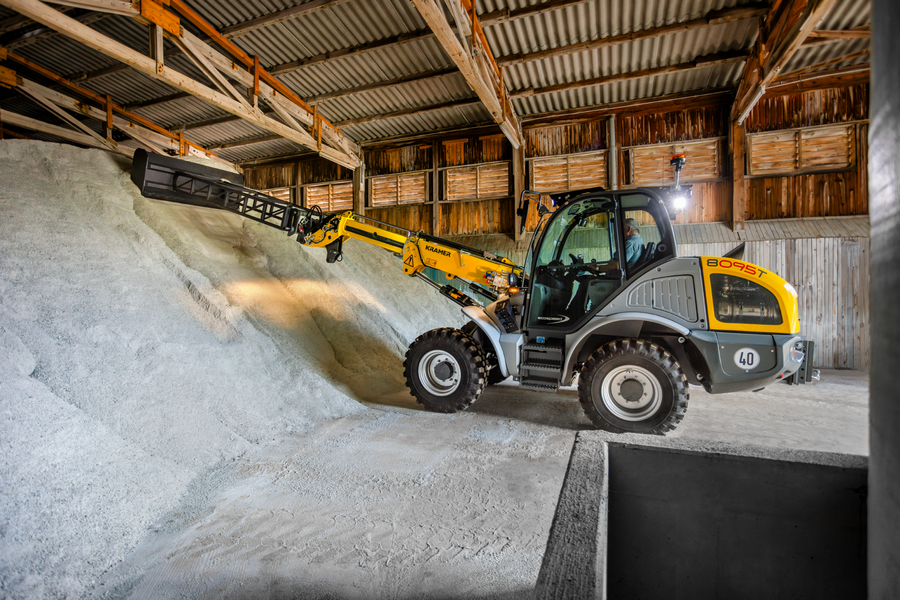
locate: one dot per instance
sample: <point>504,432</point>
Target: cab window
<point>642,234</point>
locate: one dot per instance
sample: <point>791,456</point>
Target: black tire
<point>652,394</point>
<point>494,375</point>
<point>445,370</point>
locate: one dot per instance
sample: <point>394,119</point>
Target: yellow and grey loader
<point>603,297</point>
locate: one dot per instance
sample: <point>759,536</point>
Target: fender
<point>484,323</point>
<point>574,343</point>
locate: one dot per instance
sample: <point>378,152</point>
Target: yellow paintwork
<point>420,253</point>
<point>783,291</point>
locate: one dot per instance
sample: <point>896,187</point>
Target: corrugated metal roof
<point>588,21</point>
<point>646,87</point>
<point>353,23</point>
<point>180,112</point>
<point>232,131</point>
<point>420,56</point>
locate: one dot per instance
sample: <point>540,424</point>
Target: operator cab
<point>587,252</point>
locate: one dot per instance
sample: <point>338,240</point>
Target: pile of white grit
<point>143,344</point>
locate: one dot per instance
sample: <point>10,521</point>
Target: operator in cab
<point>634,244</point>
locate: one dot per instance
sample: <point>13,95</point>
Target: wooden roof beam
<point>11,118</point>
<point>804,82</point>
<point>85,35</point>
<point>862,32</point>
<point>786,27</point>
<point>476,63</point>
<point>128,123</point>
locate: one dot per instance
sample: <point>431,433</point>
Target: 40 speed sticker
<point>746,358</point>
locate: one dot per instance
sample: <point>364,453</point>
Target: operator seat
<point>646,255</point>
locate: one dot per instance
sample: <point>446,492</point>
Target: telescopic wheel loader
<point>603,296</point>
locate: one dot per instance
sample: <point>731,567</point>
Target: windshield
<point>582,229</point>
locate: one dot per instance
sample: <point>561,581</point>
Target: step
<point>543,348</point>
<point>534,385</point>
<point>542,366</point>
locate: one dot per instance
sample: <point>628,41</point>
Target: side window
<point>641,234</point>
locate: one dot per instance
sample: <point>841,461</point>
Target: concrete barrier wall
<point>673,522</point>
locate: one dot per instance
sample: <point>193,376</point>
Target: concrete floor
<point>400,503</point>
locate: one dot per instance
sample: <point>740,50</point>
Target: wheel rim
<point>439,373</point>
<point>631,393</point>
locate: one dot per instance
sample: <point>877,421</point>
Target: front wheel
<point>445,370</point>
<point>633,386</point>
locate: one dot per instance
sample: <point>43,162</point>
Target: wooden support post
<point>157,48</point>
<point>255,99</point>
<point>435,189</point>
<point>295,189</point>
<point>737,151</point>
<point>359,188</point>
<point>518,173</point>
<point>612,155</point>
<point>109,117</point>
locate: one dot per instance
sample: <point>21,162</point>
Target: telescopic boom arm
<point>175,180</point>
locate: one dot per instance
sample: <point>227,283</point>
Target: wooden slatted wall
<point>798,134</point>
<point>831,276</point>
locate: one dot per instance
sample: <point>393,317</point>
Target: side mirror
<point>524,203</point>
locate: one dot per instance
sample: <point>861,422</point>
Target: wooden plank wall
<point>817,194</point>
<point>831,276</point>
<point>711,201</point>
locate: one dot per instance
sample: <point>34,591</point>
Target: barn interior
<point>196,405</point>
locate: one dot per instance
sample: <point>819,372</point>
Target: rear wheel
<point>633,386</point>
<point>445,370</point>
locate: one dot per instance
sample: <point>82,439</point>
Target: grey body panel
<point>507,346</point>
<point>722,375</point>
<point>670,295</point>
<point>493,333</point>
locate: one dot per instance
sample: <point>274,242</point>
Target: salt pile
<point>143,343</point>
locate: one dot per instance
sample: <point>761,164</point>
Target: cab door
<point>576,266</point>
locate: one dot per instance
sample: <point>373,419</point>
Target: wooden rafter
<point>788,84</point>
<point>41,34</point>
<point>825,63</point>
<point>857,33</point>
<point>785,29</point>
<point>123,119</point>
<point>11,118</point>
<point>53,108</point>
<point>44,14</point>
<point>476,63</point>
